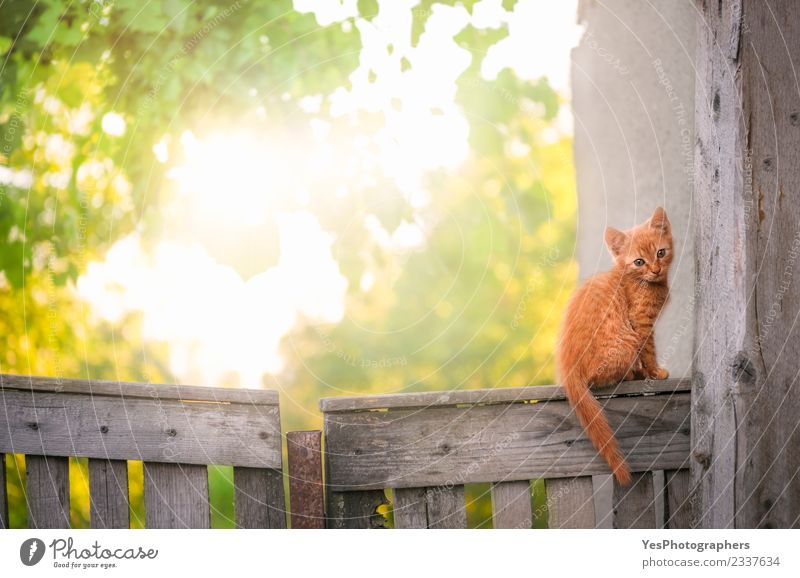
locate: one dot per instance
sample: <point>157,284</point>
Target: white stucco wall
<point>633,101</point>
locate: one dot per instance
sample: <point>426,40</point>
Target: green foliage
<point>220,495</point>
<point>479,306</point>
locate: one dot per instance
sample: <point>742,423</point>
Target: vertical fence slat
<point>260,501</point>
<point>446,507</point>
<point>678,511</point>
<point>47,491</point>
<point>3,494</point>
<point>355,509</point>
<point>108,490</point>
<point>634,505</point>
<point>176,496</point>
<point>410,508</point>
<point>511,505</point>
<point>570,502</point>
<point>305,479</point>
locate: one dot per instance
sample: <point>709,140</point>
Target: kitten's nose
<point>656,271</point>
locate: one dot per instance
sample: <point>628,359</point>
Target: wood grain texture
<point>130,390</point>
<point>434,507</point>
<point>410,508</point>
<point>490,396</point>
<point>570,502</point>
<point>446,507</point>
<point>677,499</point>
<point>746,448</point>
<point>47,491</point>
<point>3,494</point>
<point>176,496</point>
<point>445,445</point>
<point>155,430</point>
<point>355,510</point>
<point>304,456</point>
<point>260,500</point>
<point>634,505</point>
<point>511,505</point>
<point>108,492</point>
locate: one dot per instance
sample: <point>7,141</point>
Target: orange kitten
<point>607,333</point>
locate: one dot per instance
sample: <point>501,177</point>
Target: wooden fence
<point>174,430</point>
<point>426,446</point>
<point>419,449</point>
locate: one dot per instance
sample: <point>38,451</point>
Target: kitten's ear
<point>615,241</point>
<point>659,221</point>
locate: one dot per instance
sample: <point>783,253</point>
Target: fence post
<point>305,479</point>
<point>745,391</point>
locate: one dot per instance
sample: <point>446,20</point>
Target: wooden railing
<point>421,447</point>
<point>424,447</point>
<point>175,430</point>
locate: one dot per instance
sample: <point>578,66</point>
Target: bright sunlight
<point>229,184</point>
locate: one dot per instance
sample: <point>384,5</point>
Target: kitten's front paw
<point>659,373</point>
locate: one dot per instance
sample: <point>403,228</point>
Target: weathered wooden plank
<point>678,508</point>
<point>155,430</point>
<point>634,505</point>
<point>746,453</point>
<point>47,491</point>
<point>434,507</point>
<point>108,491</point>
<point>511,505</point>
<point>490,396</point>
<point>410,508</point>
<point>441,445</point>
<point>176,496</point>
<point>3,494</point>
<point>446,507</point>
<point>304,452</point>
<point>355,509</point>
<point>603,486</point>
<point>130,390</point>
<point>570,502</point>
<point>260,501</point>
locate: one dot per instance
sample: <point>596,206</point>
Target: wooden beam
<point>511,505</point>
<point>108,492</point>
<point>410,508</point>
<point>746,444</point>
<point>491,396</point>
<point>155,430</point>
<point>47,491</point>
<point>635,505</point>
<point>441,446</point>
<point>355,510</point>
<point>130,390</point>
<point>260,500</point>
<point>176,496</point>
<point>677,503</point>
<point>3,494</point>
<point>446,507</point>
<point>305,479</point>
<point>570,503</point>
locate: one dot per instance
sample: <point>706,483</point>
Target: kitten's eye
<point>661,253</point>
<point>639,262</point>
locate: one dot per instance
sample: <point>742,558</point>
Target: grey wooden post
<point>746,396</point>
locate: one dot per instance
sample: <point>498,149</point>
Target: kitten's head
<point>644,252</point>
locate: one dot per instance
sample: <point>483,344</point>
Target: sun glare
<point>259,177</point>
<point>231,176</point>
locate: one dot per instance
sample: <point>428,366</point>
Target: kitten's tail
<point>590,414</point>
